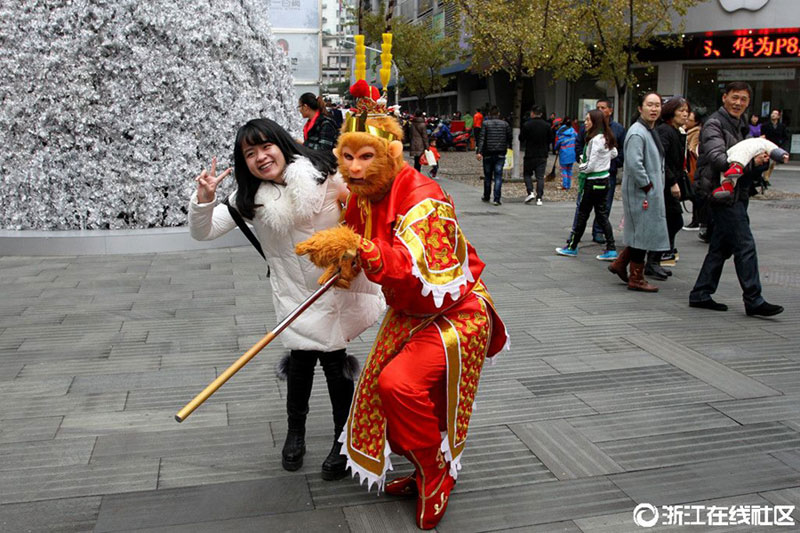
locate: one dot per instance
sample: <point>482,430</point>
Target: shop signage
<point>734,5</point>
<point>752,46</point>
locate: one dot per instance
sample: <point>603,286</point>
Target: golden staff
<point>257,347</point>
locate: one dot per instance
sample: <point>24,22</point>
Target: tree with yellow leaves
<point>419,53</point>
<point>521,38</point>
<point>621,29</point>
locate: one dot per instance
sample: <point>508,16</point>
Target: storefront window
<point>774,87</point>
<point>647,80</point>
<point>585,93</point>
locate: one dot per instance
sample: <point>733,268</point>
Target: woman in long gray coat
<point>419,138</point>
<point>642,196</point>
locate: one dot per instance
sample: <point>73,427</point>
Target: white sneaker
<point>530,197</point>
<point>538,201</point>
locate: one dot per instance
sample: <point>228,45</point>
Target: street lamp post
<point>394,67</point>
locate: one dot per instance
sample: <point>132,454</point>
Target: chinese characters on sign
<point>751,47</point>
<point>647,515</point>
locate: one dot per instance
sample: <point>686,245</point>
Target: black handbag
<point>686,186</point>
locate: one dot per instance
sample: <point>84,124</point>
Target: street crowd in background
<point>672,156</point>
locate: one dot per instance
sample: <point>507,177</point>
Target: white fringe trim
<point>363,474</point>
<point>452,288</point>
<point>455,462</point>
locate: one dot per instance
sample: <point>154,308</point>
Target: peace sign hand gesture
<point>207,183</point>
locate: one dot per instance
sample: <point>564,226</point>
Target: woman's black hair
<point>600,127</point>
<point>699,114</point>
<point>644,95</point>
<point>671,106</point>
<point>260,131</point>
<point>316,103</point>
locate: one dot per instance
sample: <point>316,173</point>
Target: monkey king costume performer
<point>415,394</point>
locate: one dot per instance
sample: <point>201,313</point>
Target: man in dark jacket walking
<point>731,235</point>
<point>536,137</point>
<point>493,143</point>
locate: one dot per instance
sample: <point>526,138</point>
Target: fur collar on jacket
<point>283,206</point>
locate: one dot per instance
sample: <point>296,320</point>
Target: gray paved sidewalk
<point>609,398</point>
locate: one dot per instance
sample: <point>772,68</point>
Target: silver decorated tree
<point>108,108</point>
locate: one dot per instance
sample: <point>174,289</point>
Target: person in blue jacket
<point>565,144</point>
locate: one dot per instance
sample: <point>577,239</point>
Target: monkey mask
<point>370,154</point>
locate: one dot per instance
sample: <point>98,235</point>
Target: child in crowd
<point>434,161</point>
<point>739,155</point>
<point>565,144</point>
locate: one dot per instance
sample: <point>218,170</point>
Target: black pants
<point>731,237</point>
<point>637,255</point>
<point>300,379</point>
<point>537,165</point>
<point>593,198</point>
<point>674,216</point>
<point>417,164</point>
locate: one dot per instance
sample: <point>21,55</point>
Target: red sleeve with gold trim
<point>424,259</point>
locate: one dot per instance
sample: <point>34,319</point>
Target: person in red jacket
<point>416,391</point>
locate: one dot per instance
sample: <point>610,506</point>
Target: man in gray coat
<point>731,235</point>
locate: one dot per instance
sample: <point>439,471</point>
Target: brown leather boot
<point>637,281</point>
<point>620,265</point>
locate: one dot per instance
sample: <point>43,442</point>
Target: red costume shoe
<point>402,486</point>
<point>434,484</point>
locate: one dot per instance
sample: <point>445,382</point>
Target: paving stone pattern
<point>608,398</point>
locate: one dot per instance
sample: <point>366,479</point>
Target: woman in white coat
<point>288,193</point>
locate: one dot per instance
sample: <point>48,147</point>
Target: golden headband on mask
<point>358,123</point>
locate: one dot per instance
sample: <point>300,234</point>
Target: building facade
<point>337,53</point>
<point>757,41</point>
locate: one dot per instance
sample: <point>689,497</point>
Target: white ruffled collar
<point>283,206</point>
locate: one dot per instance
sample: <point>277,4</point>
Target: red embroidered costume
<point>415,394</point>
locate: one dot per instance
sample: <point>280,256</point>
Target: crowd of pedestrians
<point>673,157</point>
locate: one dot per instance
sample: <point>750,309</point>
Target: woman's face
<point>587,122</point>
<point>681,116</point>
<point>305,111</point>
<point>691,122</point>
<point>650,109</point>
<point>265,161</point>
<point>754,120</point>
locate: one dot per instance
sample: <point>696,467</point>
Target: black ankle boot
<point>335,465</point>
<point>653,270</point>
<point>294,448</point>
